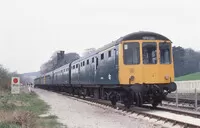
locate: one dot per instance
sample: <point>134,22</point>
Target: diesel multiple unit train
<point>136,69</point>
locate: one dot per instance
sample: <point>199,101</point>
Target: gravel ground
<point>79,114</point>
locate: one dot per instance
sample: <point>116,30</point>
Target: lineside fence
<point>187,92</point>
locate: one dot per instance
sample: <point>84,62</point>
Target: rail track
<point>193,120</point>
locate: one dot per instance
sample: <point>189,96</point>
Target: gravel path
<point>78,114</point>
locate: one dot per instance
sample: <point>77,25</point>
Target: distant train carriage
<point>135,69</point>
<point>37,81</point>
<point>97,68</point>
<point>48,78</point>
<point>61,75</point>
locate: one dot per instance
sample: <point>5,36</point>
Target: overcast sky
<point>31,30</point>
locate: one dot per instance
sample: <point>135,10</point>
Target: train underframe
<point>128,95</point>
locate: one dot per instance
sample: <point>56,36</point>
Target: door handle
<point>116,66</point>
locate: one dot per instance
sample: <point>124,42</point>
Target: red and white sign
<point>15,80</point>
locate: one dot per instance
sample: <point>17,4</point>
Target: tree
<point>178,55</point>
<point>55,62</point>
<point>5,77</point>
<point>186,61</point>
<point>192,60</point>
<point>68,58</point>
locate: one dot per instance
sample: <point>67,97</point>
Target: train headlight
<point>167,77</point>
<point>132,78</point>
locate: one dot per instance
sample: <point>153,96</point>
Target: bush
<point>25,118</point>
<point>8,125</point>
<point>4,78</point>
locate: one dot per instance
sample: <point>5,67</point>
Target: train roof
<point>142,35</point>
<point>55,70</point>
<point>61,68</point>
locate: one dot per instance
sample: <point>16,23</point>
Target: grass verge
<point>193,76</point>
<point>23,111</point>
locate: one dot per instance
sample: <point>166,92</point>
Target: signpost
<point>15,85</point>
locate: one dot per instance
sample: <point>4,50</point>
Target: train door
<point>111,67</point>
<point>63,77</point>
<point>116,69</point>
<point>52,78</point>
<point>79,66</point>
<point>92,70</point>
<point>96,69</point>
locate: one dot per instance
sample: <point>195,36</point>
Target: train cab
<point>146,65</point>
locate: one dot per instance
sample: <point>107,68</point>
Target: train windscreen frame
<point>131,51</point>
<point>165,53</point>
<point>149,52</point>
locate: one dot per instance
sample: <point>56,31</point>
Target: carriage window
<point>76,65</point>
<point>102,56</point>
<point>87,62</point>
<point>92,59</point>
<point>132,53</point>
<point>83,63</point>
<point>109,53</point>
<point>73,66</point>
<point>165,53</point>
<point>149,52</point>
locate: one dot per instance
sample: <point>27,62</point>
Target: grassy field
<point>24,110</point>
<point>193,76</point>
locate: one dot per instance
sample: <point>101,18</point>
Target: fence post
<point>177,98</point>
<point>196,99</point>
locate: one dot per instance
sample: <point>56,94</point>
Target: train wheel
<point>113,102</point>
<point>105,96</point>
<point>84,93</point>
<point>127,102</point>
<point>140,99</point>
<point>73,91</point>
<point>113,98</point>
<point>137,99</point>
<point>79,92</point>
<point>155,104</point>
<point>129,99</point>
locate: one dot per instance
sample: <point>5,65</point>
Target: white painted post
<point>196,99</point>
<point>29,88</point>
<point>177,98</point>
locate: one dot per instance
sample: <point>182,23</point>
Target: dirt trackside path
<point>77,114</point>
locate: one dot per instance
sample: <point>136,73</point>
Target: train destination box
<point>15,85</point>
